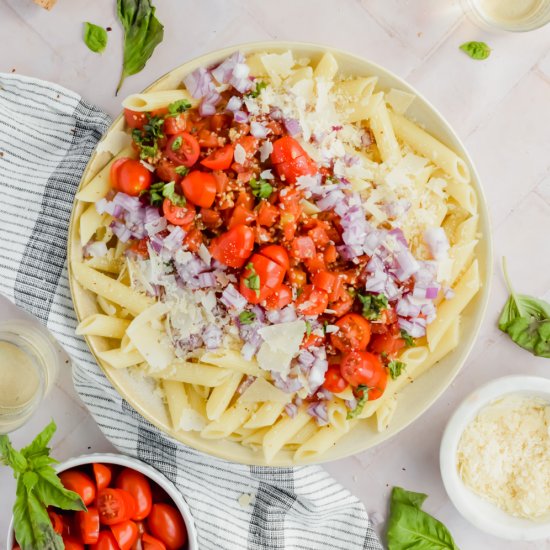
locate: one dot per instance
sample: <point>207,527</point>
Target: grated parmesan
<point>504,455</point>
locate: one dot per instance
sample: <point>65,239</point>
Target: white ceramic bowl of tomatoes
<point>131,506</point>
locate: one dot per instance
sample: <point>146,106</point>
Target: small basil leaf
<point>476,50</point>
<point>95,37</point>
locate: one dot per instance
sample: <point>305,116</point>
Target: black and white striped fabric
<point>47,135</point>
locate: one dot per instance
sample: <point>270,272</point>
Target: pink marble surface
<point>500,108</point>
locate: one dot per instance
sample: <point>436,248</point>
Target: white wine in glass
<point>509,15</point>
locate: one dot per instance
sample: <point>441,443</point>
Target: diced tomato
<point>387,343</point>
<point>312,301</point>
<point>250,145</point>
<point>319,236</point>
<point>179,215</point>
<point>241,215</point>
<point>313,340</point>
<point>330,254</point>
<point>193,239</point>
<point>161,111</point>
<point>267,214</point>
<point>219,159</point>
<point>278,254</point>
<point>166,170</point>
<point>261,279</point>
<point>342,305</point>
<point>325,280</point>
<point>233,247</point>
<point>297,277</point>
<point>221,181</point>
<point>302,248</point>
<point>316,264</point>
<point>211,218</point>
<point>353,334</point>
<point>280,298</point>
<point>334,381</point>
<point>219,122</point>
<point>183,149</point>
<point>199,188</point>
<point>208,139</point>
<point>245,199</point>
<point>135,119</point>
<point>175,124</point>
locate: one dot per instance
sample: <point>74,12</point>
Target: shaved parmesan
<point>281,344</point>
<point>278,66</point>
<point>399,100</point>
<point>262,390</point>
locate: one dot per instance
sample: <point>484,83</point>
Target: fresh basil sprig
<point>161,190</point>
<point>143,32</point>
<point>362,393</point>
<point>476,50</point>
<point>95,37</point>
<point>396,368</point>
<point>526,320</point>
<point>410,527</point>
<point>37,488</point>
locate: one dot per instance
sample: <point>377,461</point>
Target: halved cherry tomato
<point>290,160</point>
<point>88,525</point>
<point>353,334</point>
<point>241,215</point>
<point>278,254</point>
<point>175,124</point>
<point>267,214</point>
<point>387,343</point>
<point>325,280</point>
<point>130,176</point>
<point>220,159</point>
<point>57,522</point>
<point>166,170</point>
<point>361,368</point>
<point>151,543</point>
<point>302,248</point>
<point>102,472</point>
<point>135,119</point>
<point>125,533</point>
<point>334,381</point>
<point>178,215</point>
<point>342,305</point>
<point>222,180</point>
<point>312,301</point>
<point>280,298</point>
<point>72,543</point>
<point>193,239</point>
<point>233,247</point>
<point>269,275</point>
<point>106,541</point>
<point>313,340</point>
<point>139,487</point>
<point>199,188</point>
<point>79,483</point>
<point>183,149</point>
<point>167,525</point>
<point>115,505</point>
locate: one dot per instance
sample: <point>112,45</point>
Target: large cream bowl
<point>417,397</point>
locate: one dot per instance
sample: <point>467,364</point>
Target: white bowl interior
<point>415,398</point>
<point>478,511</point>
<point>146,470</point>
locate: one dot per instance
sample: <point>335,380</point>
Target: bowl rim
<point>464,500</point>
<point>483,211</point>
<point>140,466</point>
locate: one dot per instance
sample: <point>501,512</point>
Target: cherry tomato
<point>220,159</point>
<point>88,525</point>
<point>178,215</point>
<point>125,533</point>
<point>130,176</point>
<point>102,472</point>
<point>138,486</point>
<point>233,247</point>
<point>106,541</point>
<point>199,188</point>
<point>290,160</point>
<point>325,280</point>
<point>267,214</point>
<point>183,149</point>
<point>175,124</point>
<point>135,119</point>
<point>166,524</point>
<point>280,298</point>
<point>276,253</point>
<point>72,543</point>
<point>115,505</point>
<point>334,381</point>
<point>166,170</point>
<point>269,275</point>
<point>387,343</point>
<point>353,334</point>
<point>312,301</point>
<point>364,368</point>
<point>342,305</point>
<point>79,483</point>
<point>211,218</point>
<point>151,543</point>
<point>57,522</point>
<point>208,139</point>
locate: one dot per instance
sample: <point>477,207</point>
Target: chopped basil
<point>148,136</point>
<point>396,368</point>
<point>176,144</point>
<point>253,280</point>
<point>362,392</point>
<point>373,305</point>
<point>246,317</point>
<point>409,340</point>
<point>258,90</point>
<point>170,193</point>
<point>308,328</point>
<point>476,50</point>
<point>160,191</point>
<point>181,170</point>
<point>178,107</point>
<point>95,37</point>
<point>260,188</point>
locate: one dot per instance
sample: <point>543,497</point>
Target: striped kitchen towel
<point>47,134</point>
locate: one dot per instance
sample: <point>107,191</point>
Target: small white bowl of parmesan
<point>495,458</point>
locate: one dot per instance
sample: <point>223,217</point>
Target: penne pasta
<point>103,325</point>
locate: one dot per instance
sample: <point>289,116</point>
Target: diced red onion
<point>234,71</point>
<point>206,280</point>
<point>149,167</point>
<point>239,154</point>
<point>232,298</point>
<point>406,308</point>
<point>376,282</point>
<point>288,385</point>
<point>449,293</point>
<point>96,249</point>
<point>276,113</point>
<point>399,235</point>
<point>306,359</point>
<point>208,104</point>
<point>323,393</point>
<point>407,264</point>
<point>331,199</point>
<point>351,403</point>
<point>291,410</point>
<point>319,412</point>
<point>349,252</point>
<point>212,336</point>
<point>234,104</point>
<point>240,116</point>
<point>121,231</point>
<point>292,126</point>
<point>258,130</point>
<point>198,83</point>
<point>366,139</point>
<point>128,203</point>
<point>245,384</point>
<point>429,311</point>
<point>173,241</point>
<point>415,327</point>
<point>437,242</point>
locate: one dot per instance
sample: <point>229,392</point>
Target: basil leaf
<point>95,37</point>
<point>51,492</point>
<point>260,188</point>
<point>373,304</point>
<point>179,106</point>
<point>246,317</point>
<point>476,50</point>
<point>410,527</point>
<point>257,90</point>
<point>39,445</point>
<point>252,281</point>
<point>409,340</point>
<point>396,368</point>
<point>363,392</point>
<point>170,193</point>
<point>182,170</point>
<point>10,457</point>
<point>176,144</point>
<point>308,328</point>
<point>526,320</point>
<point>143,32</point>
